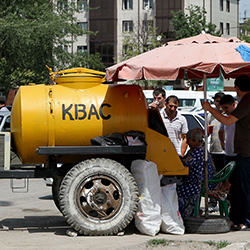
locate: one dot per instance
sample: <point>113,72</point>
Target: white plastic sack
<point>171,218</point>
<point>148,215</point>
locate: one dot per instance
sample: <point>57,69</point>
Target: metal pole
<point>206,149</point>
<point>138,31</point>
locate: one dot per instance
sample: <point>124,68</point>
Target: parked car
<point>194,120</point>
<point>5,121</point>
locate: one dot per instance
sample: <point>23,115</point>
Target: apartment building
<point>81,44</point>
<point>223,13</point>
<point>110,18</point>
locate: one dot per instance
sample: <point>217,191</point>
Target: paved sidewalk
<point>30,221</point>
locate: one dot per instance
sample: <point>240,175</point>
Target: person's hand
<point>206,106</point>
<point>153,104</point>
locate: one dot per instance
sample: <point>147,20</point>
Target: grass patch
<point>157,242</point>
<point>164,242</point>
<point>222,244</point>
<point>219,244</point>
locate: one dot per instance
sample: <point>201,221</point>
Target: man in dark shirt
<point>240,116</point>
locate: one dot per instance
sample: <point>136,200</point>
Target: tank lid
<point>76,75</point>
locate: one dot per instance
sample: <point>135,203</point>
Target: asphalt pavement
<point>30,220</point>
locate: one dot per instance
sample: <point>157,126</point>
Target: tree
<point>142,38</point>
<point>83,59</point>
<point>33,34</point>
<point>187,25</point>
<point>192,24</point>
<point>245,32</point>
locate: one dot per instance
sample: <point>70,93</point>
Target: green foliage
<point>245,32</point>
<point>220,244</point>
<point>193,23</point>
<point>164,242</point>
<point>143,38</point>
<point>157,242</point>
<point>140,40</point>
<point>32,34</point>
<point>20,77</point>
<point>82,59</point>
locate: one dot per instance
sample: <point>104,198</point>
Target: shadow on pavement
<point>47,197</point>
<point>47,224</point>
<point>36,224</point>
<point>131,229</point>
<point>6,203</point>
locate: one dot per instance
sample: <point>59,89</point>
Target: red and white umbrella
<point>198,56</point>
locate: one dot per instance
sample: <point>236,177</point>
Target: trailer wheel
<point>98,197</point>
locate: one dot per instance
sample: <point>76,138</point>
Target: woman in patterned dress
<point>188,191</point>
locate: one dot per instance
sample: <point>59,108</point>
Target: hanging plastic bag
<point>135,138</point>
<point>171,218</point>
<point>148,215</point>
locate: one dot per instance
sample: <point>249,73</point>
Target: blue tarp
<point>244,52</point>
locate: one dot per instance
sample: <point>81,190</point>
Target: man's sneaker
<point>213,209</point>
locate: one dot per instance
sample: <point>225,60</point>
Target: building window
<point>221,5</point>
<point>147,4</point>
<point>127,4</point>
<point>82,49</point>
<point>127,26</point>
<point>228,28</point>
<point>62,5</point>
<point>105,50</point>
<point>221,28</point>
<point>83,25</point>
<point>228,6</point>
<point>82,5</point>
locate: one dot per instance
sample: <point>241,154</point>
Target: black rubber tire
<point>98,197</point>
<point>213,224</point>
<point>57,180</point>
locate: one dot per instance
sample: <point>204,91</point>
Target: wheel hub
<point>99,197</point>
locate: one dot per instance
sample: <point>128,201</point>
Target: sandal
<point>245,228</point>
<point>235,227</point>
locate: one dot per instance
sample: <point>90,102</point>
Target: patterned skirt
<point>186,205</point>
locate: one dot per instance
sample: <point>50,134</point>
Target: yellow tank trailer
<point>53,125</point>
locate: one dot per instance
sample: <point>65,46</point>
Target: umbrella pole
<point>206,149</point>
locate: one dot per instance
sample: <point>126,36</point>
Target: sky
<point>244,6</point>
